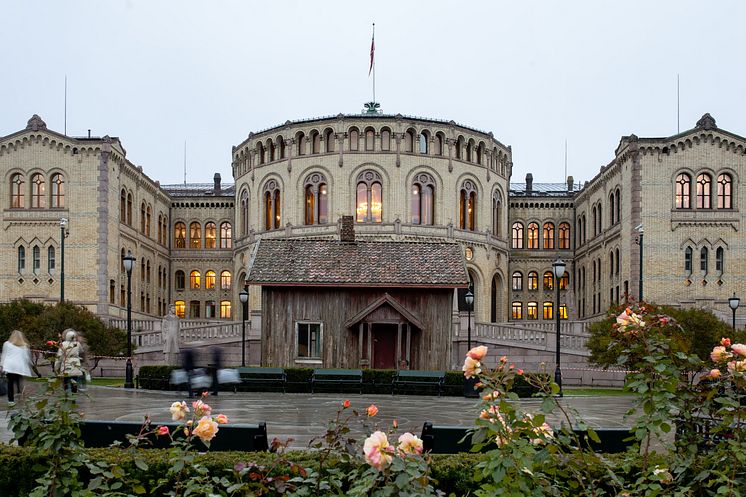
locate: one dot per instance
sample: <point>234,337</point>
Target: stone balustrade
<point>538,336</point>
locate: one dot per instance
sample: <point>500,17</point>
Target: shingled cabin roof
<point>359,264</point>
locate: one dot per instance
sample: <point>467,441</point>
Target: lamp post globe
<point>558,267</point>
<point>733,303</point>
<point>129,263</point>
<point>243,296</point>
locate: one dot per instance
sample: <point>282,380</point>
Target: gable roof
<point>299,262</point>
<point>380,301</point>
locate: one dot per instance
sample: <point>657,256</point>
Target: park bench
<point>337,377</point>
<point>266,378</point>
<point>234,437</point>
<point>412,378</point>
<point>440,439</point>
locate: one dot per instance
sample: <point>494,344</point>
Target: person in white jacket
<point>15,362</point>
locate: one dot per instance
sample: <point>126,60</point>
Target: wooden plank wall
<point>284,306</point>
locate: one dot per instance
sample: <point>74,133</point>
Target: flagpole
<point>374,63</point>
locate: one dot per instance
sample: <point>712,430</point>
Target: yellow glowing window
<point>210,279</point>
<point>194,279</point>
<point>180,308</point>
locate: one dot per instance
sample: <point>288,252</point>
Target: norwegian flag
<point>372,50</point>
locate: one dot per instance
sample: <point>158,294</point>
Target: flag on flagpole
<point>372,50</point>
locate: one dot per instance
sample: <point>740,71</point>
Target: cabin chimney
<point>347,230</point>
<point>570,183</point>
<point>529,183</point>
<point>216,180</point>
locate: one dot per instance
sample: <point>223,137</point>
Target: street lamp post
<point>129,263</point>
<point>244,297</point>
<point>559,271</point>
<point>734,302</point>
<point>641,232</point>
<point>469,298</point>
<point>63,234</point>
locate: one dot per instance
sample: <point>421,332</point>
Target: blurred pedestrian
<point>15,362</point>
<point>216,361</point>
<point>187,364</point>
<point>67,364</point>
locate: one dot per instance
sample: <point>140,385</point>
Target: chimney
<point>529,183</point>
<point>570,183</point>
<point>216,180</point>
<point>347,231</point>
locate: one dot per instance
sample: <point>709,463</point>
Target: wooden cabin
<point>357,304</point>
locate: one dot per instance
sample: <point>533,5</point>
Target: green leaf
<point>141,464</point>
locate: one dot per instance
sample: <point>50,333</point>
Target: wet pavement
<point>301,417</point>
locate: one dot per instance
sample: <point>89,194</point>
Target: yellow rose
<point>206,429</point>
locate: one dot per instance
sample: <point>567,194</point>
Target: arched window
<point>179,280</point>
<point>329,140</point>
<point>35,259</point>
<point>533,280</point>
<point>317,199</point>
<point>459,147</point>
<point>58,191</point>
<point>210,279</point>
<point>438,144</point>
<point>517,281</point>
<point>611,264</point>
<point>720,260</point>
<point>354,139</point>
<point>129,209</point>
<point>517,235</point>
<point>370,139</point>
<point>123,206</point>
<point>180,308</point>
<point>21,259</point>
<point>688,260</point>
<point>225,280</point>
<point>703,256</point>
<point>533,236</point>
<point>272,205</point>
<point>385,139</point>
<point>245,212</point>
<point>468,206</point>
<point>260,153</point>
<point>315,142</point>
<point>180,235</point>
<point>211,235</point>
<point>532,310</point>
<point>600,219</point>
<point>369,205</point>
<point>423,141</point>
<point>17,191</point>
<point>593,220</point>
<point>548,235</point>
<point>271,149</point>
<point>469,150</point>
<point>724,192</point>
<point>618,261</point>
<point>195,235</point>
<point>548,280</point>
<point>300,142</point>
<point>409,140</point>
<point>704,190</point>
<point>38,191</point>
<point>564,236</point>
<point>142,218</point>
<point>280,145</point>
<point>496,213</point>
<point>148,220</point>
<point>195,280</point>
<point>548,310</point>
<point>160,228</point>
<point>423,199</point>
<point>480,153</point>
<point>51,262</point>
<point>226,235</point>
<point>611,209</point>
<point>618,205</point>
<point>517,310</point>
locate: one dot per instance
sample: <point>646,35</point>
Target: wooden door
<point>384,345</point>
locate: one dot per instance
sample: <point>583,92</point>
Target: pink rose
<point>719,354</point>
<point>491,396</point>
<point>477,353</point>
<point>739,349</point>
<point>409,444</point>
<point>372,410</point>
<point>377,450</point>
<point>206,429</point>
<point>737,366</point>
<point>471,367</point>
<point>221,419</point>
<point>504,359</point>
<point>201,409</point>
<point>714,374</point>
<point>162,431</point>
<point>519,372</point>
<point>725,342</point>
<point>345,404</point>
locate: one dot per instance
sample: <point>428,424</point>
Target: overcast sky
<point>535,73</point>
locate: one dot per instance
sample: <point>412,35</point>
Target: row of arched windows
<point>369,202</point>
<point>41,196</point>
<point>196,282</point>
<point>370,140</point>
<point>35,260</point>
<point>597,223</point>
<point>146,216</point>
<point>683,186</point>
<point>532,310</point>
<point>210,306</point>
<point>546,239</point>
<point>704,260</point>
<point>212,240</point>
<point>533,281</point>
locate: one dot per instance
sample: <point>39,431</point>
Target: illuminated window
<point>225,309</point>
<point>58,191</point>
<point>180,306</point>
<point>308,344</point>
<point>317,199</point>
<point>683,191</point>
<point>517,235</point>
<point>548,235</point>
<point>211,236</point>
<point>423,193</point>
<point>533,280</point>
<point>548,280</point>
<point>17,190</point>
<point>564,236</point>
<point>194,280</point>
<point>38,191</point>
<point>369,198</point>
<point>272,205</point>
<point>225,280</point>
<point>517,310</point>
<point>195,235</point>
<point>548,310</point>
<point>532,310</point>
<point>468,206</point>
<point>724,192</point>
<point>226,235</point>
<point>517,281</point>
<point>533,236</point>
<point>704,190</point>
<point>180,235</point>
<point>563,311</point>
<point>210,279</point>
<point>565,281</point>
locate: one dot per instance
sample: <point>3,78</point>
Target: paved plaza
<point>301,417</point>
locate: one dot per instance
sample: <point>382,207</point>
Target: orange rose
<point>221,419</point>
<point>372,410</point>
<point>346,404</point>
<point>725,342</point>
<point>477,353</point>
<point>206,429</point>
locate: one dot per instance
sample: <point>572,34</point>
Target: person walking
<point>217,356</point>
<point>187,364</point>
<point>15,362</point>
<point>67,364</point>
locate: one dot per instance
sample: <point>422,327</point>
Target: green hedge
<point>375,381</point>
<point>453,473</point>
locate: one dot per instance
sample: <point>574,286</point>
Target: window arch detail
<point>423,199</point>
<point>316,199</point>
<point>272,205</point>
<point>468,206</point>
<point>369,198</point>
